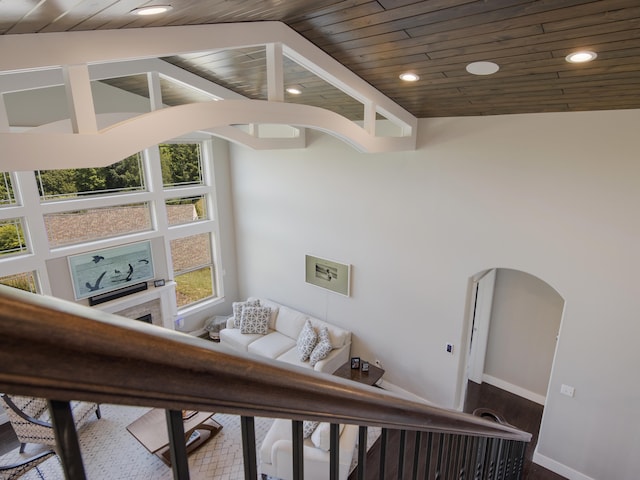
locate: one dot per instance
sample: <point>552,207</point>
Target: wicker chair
<point>29,417</point>
<point>18,469</point>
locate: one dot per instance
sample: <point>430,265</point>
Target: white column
<point>77,85</point>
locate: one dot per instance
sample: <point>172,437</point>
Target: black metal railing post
<point>248,427</point>
<point>177,445</point>
<point>297,438</point>
<point>67,440</point>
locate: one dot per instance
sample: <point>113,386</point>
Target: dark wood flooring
<point>517,411</point>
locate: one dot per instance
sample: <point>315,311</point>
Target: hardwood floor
<point>517,411</point>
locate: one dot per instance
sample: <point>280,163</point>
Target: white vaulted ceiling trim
<point>37,60</point>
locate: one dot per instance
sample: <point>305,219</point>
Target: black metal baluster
<point>480,460</point>
<point>66,440</point>
<point>334,452</point>
<point>248,427</point>
<point>383,453</point>
<point>438,474</point>
<point>177,445</point>
<point>362,452</point>
<point>298,449</point>
<point>416,455</point>
<point>507,457</point>
<point>500,460</point>
<point>454,456</point>
<point>490,463</point>
<point>462,464</point>
<point>403,444</point>
<point>471,458</point>
<point>520,463</point>
<point>427,461</point>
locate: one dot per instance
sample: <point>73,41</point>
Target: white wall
<point>525,321</point>
<point>554,195</point>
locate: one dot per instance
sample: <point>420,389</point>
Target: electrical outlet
<point>567,390</point>
<point>449,348</point>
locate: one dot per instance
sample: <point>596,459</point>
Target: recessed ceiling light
<point>409,77</point>
<point>581,57</point>
<point>294,90</point>
<point>151,10</point>
<point>482,68</point>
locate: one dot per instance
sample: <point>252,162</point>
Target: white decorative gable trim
<point>74,59</point>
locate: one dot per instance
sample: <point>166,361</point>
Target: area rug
<point>109,452</point>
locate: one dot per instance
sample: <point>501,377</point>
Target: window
<point>6,190</point>
<point>124,176</point>
<point>193,268</point>
<point>23,281</point>
<point>12,241</point>
<point>186,209</point>
<point>84,209</point>
<point>71,227</point>
<point>181,164</point>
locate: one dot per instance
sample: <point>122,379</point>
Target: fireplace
<point>150,312</point>
<point>156,305</point>
<point>146,318</point>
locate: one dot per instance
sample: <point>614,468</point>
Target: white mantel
<point>165,294</point>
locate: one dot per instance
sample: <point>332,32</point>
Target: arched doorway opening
<point>513,328</point>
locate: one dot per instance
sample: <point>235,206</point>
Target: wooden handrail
<point>60,350</point>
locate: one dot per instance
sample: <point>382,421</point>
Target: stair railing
<point>59,350</point>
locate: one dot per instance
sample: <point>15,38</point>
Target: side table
<point>214,325</point>
<point>357,375</point>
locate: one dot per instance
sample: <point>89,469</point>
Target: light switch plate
<point>567,390</point>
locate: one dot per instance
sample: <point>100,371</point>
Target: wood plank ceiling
<point>380,39</point>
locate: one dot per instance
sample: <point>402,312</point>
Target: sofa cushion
<point>292,357</point>
<point>237,310</point>
<point>240,341</point>
<point>321,436</point>
<point>272,345</point>
<point>322,348</point>
<point>255,320</point>
<point>290,322</point>
<point>307,340</point>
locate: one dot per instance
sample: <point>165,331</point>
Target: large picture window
<point>22,281</point>
<point>12,241</point>
<point>181,164</point>
<point>193,268</point>
<point>88,210</point>
<point>6,190</point>
<point>72,227</point>
<point>124,176</point>
<point>186,210</point>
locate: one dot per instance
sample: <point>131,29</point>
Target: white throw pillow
<point>322,348</point>
<point>237,310</point>
<point>306,341</point>
<point>255,320</point>
<point>321,436</point>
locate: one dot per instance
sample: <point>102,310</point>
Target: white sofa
<point>280,340</point>
<point>276,452</point>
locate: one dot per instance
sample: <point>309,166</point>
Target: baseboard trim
<point>558,467</point>
<point>509,387</point>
